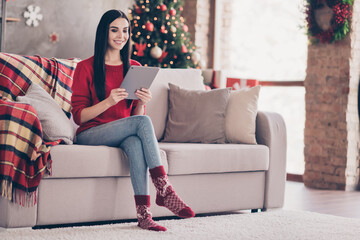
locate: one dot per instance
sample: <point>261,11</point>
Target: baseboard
<point>294,177</point>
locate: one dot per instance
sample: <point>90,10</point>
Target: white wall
<point>74,20</point>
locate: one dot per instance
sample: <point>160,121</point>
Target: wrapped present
<point>238,83</point>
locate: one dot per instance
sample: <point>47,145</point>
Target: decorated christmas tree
<point>160,36</point>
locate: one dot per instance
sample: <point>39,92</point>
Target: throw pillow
<point>196,115</point>
<point>54,123</point>
<point>241,111</point>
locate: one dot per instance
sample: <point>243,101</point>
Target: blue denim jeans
<point>135,135</point>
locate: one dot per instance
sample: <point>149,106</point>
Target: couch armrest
<point>14,215</point>
<point>271,131</point>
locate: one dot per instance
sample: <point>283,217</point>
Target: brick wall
<point>225,44</point>
<point>332,122</point>
<point>198,16</point>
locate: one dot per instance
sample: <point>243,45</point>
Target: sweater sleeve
<point>81,97</point>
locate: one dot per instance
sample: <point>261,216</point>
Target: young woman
<point>107,118</point>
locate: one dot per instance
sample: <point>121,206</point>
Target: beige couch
<point>209,177</point>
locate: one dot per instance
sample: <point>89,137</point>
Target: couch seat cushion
<point>192,158</point>
<point>77,161</point>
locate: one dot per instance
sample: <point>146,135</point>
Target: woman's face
<point>118,34</point>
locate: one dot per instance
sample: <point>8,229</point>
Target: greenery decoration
<point>339,23</point>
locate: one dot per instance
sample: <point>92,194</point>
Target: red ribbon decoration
<point>140,47</point>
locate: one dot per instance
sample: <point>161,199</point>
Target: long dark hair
<point>101,45</point>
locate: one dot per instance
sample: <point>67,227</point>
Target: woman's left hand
<point>144,95</point>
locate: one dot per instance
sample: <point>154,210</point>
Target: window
<point>269,44</point>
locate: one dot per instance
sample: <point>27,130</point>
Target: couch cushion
<point>192,158</point>
<point>196,116</point>
<point>157,108</point>
<point>54,122</point>
<point>76,161</point>
<point>241,111</point>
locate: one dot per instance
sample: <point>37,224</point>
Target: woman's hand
<point>116,95</point>
<point>144,96</point>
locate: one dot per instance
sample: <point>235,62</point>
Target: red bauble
<point>163,7</point>
<point>181,9</point>
<point>149,26</point>
<point>162,29</point>
<point>138,10</point>
<point>185,28</point>
<point>172,12</point>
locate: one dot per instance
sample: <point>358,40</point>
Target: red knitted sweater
<point>84,94</point>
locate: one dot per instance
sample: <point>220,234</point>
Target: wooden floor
<point>339,203</point>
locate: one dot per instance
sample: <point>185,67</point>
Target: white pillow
<point>240,119</point>
<point>54,123</point>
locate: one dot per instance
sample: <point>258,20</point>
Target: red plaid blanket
<point>24,156</point>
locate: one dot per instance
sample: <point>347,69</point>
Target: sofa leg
<point>264,209</point>
<point>254,210</point>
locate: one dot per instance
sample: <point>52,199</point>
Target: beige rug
<point>277,224</point>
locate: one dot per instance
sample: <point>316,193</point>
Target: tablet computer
<point>138,77</point>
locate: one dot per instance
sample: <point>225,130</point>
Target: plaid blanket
<point>24,155</point>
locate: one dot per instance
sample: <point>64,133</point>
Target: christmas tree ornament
<point>183,48</point>
<point>156,52</point>
<point>147,9</point>
<point>163,55</point>
<point>162,29</point>
<point>202,64</point>
<point>140,47</point>
<point>172,12</point>
<point>149,26</point>
<point>181,9</point>
<point>185,28</point>
<point>173,28</point>
<point>138,10</point>
<point>54,37</point>
<point>195,57</point>
<point>33,15</point>
<point>163,7</point>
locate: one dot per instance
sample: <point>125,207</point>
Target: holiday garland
<point>340,22</point>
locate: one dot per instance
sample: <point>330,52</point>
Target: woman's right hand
<point>116,95</point>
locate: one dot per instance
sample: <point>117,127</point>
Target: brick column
<point>198,17</point>
<point>332,122</point>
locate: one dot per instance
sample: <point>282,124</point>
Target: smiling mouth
<point>118,42</point>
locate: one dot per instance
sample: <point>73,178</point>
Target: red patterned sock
<point>166,195</point>
<point>145,220</point>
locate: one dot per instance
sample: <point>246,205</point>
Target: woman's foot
<point>145,220</point>
<point>166,195</point>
